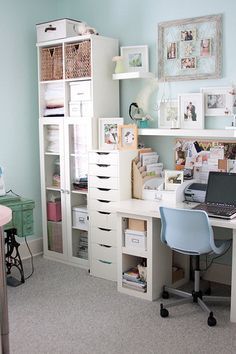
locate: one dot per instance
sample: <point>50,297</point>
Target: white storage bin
<point>80,217</point>
<point>56,29</point>
<point>75,109</point>
<point>136,239</point>
<point>80,90</point>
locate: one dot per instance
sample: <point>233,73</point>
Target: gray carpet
<point>63,310</point>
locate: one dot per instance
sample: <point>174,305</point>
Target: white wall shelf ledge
<point>133,75</point>
<point>203,133</point>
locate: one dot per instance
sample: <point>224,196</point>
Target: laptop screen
<point>221,188</point>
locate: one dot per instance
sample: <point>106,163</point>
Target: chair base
<point>196,296</point>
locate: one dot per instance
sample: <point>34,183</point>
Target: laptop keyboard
<point>221,210</point>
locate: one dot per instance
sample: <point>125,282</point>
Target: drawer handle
<point>104,201</point>
<point>106,262</point>
<point>50,28</point>
<point>102,245</point>
<point>103,153</point>
<point>104,189</point>
<point>103,229</point>
<point>102,165</point>
<point>104,212</point>
<point>103,177</point>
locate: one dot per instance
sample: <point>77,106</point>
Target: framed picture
<point>218,101</point>
<point>191,111</point>
<point>127,137</point>
<point>168,114</point>
<point>135,58</point>
<point>190,48</point>
<point>173,179</point>
<point>108,133</point>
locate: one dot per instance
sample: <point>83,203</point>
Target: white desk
<point>143,209</point>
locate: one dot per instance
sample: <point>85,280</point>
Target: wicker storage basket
<point>78,60</point>
<point>51,63</point>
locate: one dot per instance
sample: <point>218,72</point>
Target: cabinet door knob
<point>62,190</point>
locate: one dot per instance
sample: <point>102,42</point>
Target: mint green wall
<point>19,151</point>
<point>133,22</point>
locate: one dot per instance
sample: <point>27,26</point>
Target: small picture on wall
<point>172,50</point>
<point>188,35</point>
<point>191,111</point>
<point>188,63</point>
<point>205,47</point>
<point>127,136</point>
<point>218,101</point>
<point>173,179</point>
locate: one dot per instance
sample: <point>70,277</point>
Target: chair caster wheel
<point>208,291</point>
<point>165,295</point>
<point>163,312</point>
<point>211,320</point>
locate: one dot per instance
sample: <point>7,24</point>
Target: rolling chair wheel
<point>163,312</point>
<point>211,320</point>
<point>165,295</point>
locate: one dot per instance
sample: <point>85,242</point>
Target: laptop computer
<point>220,200</point>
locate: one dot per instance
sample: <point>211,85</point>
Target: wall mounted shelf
<point>133,75</point>
<point>203,133</point>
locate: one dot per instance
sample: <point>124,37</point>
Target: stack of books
<point>131,280</point>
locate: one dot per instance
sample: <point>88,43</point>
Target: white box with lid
<point>80,217</point>
<point>56,29</point>
<point>136,239</point>
<point>80,90</point>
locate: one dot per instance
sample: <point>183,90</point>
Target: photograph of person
<point>190,112</point>
<point>188,63</point>
<point>205,47</point>
<point>172,50</point>
<point>216,101</point>
<point>188,35</point>
<point>110,134</point>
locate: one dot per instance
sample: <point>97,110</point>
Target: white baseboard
<point>219,273</point>
<point>35,245</point>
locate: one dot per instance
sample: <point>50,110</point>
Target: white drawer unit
<point>103,182</point>
<point>104,193</point>
<point>103,236</point>
<point>103,269</point>
<point>109,181</point>
<point>104,252</point>
<point>57,29</point>
<point>103,219</point>
<point>101,157</point>
<point>80,91</point>
<point>103,170</point>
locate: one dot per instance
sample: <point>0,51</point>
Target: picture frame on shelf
<point>190,49</point>
<point>172,179</point>
<point>168,114</point>
<point>135,58</point>
<point>108,133</point>
<point>191,110</point>
<point>218,101</point>
<point>127,137</point>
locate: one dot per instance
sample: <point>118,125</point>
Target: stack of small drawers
<point>109,182</point>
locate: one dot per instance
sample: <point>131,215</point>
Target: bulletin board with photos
<point>190,48</point>
<point>198,157</point>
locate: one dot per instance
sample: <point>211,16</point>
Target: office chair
<point>189,232</point>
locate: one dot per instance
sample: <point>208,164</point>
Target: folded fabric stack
<point>54,100</point>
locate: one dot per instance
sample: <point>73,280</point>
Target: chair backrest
<point>187,231</point>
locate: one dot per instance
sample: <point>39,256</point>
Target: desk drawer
<point>108,158</point>
<point>103,219</point>
<point>103,236</point>
<point>103,182</point>
<point>100,204</point>
<point>104,253</point>
<point>103,170</point>
<point>103,269</point>
<point>104,194</point>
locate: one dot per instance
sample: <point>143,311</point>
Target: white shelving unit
<point>203,133</point>
<point>65,139</point>
<point>133,75</point>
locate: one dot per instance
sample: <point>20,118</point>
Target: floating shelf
<point>209,133</point>
<point>133,75</point>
